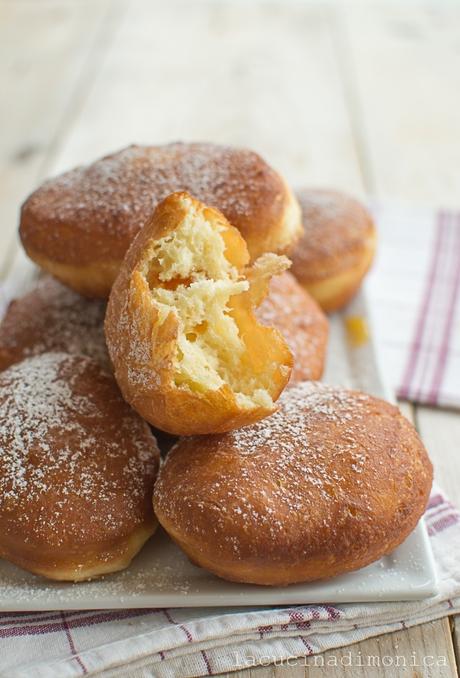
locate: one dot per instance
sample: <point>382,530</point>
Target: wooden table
<point>364,97</point>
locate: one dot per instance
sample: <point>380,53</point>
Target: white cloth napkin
<point>414,290</point>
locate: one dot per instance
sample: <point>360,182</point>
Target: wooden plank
<point>276,89</point>
<point>404,62</point>
<point>48,55</point>
<point>424,650</point>
<point>440,430</point>
<point>455,627</point>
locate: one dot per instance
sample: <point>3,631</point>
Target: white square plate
<point>161,576</point>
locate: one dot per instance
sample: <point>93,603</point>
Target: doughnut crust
<point>76,471</point>
<point>290,309</point>
<point>336,249</point>
<point>79,225</point>
<point>188,352</point>
<point>332,481</point>
<point>50,317</point>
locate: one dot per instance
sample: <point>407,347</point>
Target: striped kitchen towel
<point>414,290</point>
<point>168,643</point>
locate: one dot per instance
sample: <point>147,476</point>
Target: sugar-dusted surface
<point>51,317</point>
<point>111,199</point>
<point>77,465</point>
<point>302,323</point>
<point>336,229</point>
<point>329,483</point>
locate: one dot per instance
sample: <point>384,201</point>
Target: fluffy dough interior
<point>190,275</point>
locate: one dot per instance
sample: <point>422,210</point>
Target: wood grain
<point>49,48</point>
<point>440,430</point>
<point>363,97</point>
<point>287,102</point>
<point>403,62</point>
<point>424,650</point>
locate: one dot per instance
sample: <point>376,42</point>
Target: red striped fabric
<point>434,339</point>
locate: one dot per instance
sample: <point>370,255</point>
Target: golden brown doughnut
<point>50,317</point>
<point>188,352</point>
<point>79,225</point>
<point>337,246</point>
<point>332,481</point>
<point>290,309</point>
<point>76,471</point>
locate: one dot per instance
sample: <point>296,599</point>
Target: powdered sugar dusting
<point>334,224</point>
<point>320,463</point>
<point>52,317</point>
<point>116,194</point>
<point>77,463</point>
<point>302,323</point>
